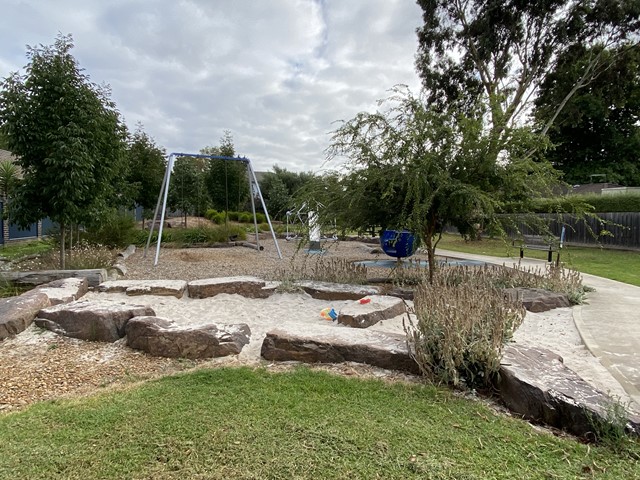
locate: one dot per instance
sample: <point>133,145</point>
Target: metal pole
<point>253,206</point>
<point>155,213</point>
<point>264,207</point>
<point>164,206</point>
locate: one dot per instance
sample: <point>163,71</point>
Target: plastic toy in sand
<point>329,314</point>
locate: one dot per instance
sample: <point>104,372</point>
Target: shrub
<point>210,214</point>
<point>83,255</point>
<point>114,229</point>
<point>233,216</point>
<point>335,270</point>
<point>461,327</point>
<point>207,235</point>
<point>218,218</point>
<point>261,218</point>
<point>245,217</point>
<point>140,237</point>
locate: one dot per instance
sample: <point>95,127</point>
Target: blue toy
<point>399,244</point>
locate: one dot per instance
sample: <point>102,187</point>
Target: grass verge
<point>16,250</point>
<point>243,423</point>
<point>620,265</point>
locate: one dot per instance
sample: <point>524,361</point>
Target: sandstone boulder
<point>535,383</point>
<point>537,299</point>
<point>250,287</point>
<point>175,288</point>
<point>17,313</point>
<point>65,290</point>
<point>336,345</point>
<point>127,252</point>
<point>336,291</point>
<point>163,338</point>
<point>95,321</point>
<point>380,307</point>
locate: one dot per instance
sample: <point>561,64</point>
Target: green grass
<point>620,265</point>
<point>16,250</point>
<point>251,424</point>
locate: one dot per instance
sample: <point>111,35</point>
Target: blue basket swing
<point>398,243</point>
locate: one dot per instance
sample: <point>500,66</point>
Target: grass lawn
<point>620,265</point>
<point>242,423</point>
<point>15,250</point>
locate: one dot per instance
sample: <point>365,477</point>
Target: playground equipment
<point>304,221</point>
<point>398,243</point>
<point>254,188</point>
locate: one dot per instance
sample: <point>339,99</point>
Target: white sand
<point>554,330</point>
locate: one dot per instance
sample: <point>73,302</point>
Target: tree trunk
<point>62,246</point>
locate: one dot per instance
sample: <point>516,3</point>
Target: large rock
<point>96,321</point>
<point>250,287</point>
<point>536,384</point>
<point>65,290</point>
<point>380,307</point>
<point>163,338</point>
<point>336,291</point>
<point>17,313</point>
<point>127,252</point>
<point>335,345</point>
<point>175,288</point>
<point>537,299</point>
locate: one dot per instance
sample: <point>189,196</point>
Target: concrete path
<point>609,321</point>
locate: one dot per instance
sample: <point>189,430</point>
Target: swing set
<point>254,190</point>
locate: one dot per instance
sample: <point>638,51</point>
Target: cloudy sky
<point>276,73</point>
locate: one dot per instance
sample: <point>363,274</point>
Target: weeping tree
<point>68,139</point>
<point>417,167</point>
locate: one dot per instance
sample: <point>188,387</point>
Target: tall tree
<point>147,165</point>
<point>280,187</point>
<point>498,51</point>
<point>68,138</point>
<point>598,130</point>
<point>226,180</point>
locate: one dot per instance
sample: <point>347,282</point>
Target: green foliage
<point>599,203</point>
<point>611,429</point>
<point>210,214</point>
<point>226,181</point>
<point>280,188</point>
<point>146,169</point>
<point>83,255</point>
<point>412,166</point>
<point>497,53</point>
<point>233,216</point>
<point>206,235</point>
<point>461,326</point>
<point>245,217</point>
<point>597,130</point>
<point>113,229</point>
<point>261,217</point>
<point>68,138</point>
<point>187,191</point>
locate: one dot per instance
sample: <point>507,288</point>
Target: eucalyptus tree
<point>68,138</point>
<point>497,52</point>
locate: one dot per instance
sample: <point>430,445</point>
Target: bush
<point>629,202</point>
<point>335,270</point>
<point>83,255</point>
<point>261,218</point>
<point>245,217</point>
<point>114,229</point>
<point>461,327</point>
<point>140,237</point>
<point>207,235</point>
<point>233,216</point>
<point>210,214</point>
<point>218,218</point>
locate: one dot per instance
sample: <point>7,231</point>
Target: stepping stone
<point>328,344</point>
<point>381,307</point>
<point>175,288</point>
<point>250,287</point>
<point>164,338</point>
<point>65,290</point>
<point>95,321</point>
<point>336,291</point>
<point>535,383</point>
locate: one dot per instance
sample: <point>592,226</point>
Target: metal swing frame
<point>254,188</point>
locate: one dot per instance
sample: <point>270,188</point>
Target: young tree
<point>187,191</point>
<point>8,184</point>
<point>498,51</point>
<point>226,180</point>
<point>147,165</point>
<point>597,132</point>
<point>68,138</point>
<point>418,167</point>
